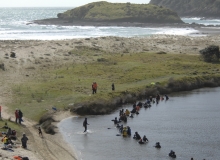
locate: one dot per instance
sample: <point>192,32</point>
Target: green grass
<point>97,11</point>
<point>129,72</point>
<point>12,125</point>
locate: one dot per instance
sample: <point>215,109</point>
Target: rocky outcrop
<point>195,8</point>
<point>210,53</point>
<point>120,12</point>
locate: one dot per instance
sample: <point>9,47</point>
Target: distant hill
<point>121,12</point>
<point>198,8</point>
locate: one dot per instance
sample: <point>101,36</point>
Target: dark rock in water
<point>13,55</point>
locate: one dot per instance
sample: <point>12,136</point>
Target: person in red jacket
<point>16,116</point>
<point>94,87</point>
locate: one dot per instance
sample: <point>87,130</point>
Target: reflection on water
<point>187,123</point>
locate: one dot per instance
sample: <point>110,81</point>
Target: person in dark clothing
<point>5,126</point>
<point>9,132</point>
<point>133,110</point>
<point>172,154</point>
<point>157,98</point>
<point>140,104</point>
<point>40,132</point>
<point>145,139</point>
<point>140,141</point>
<point>116,121</point>
<point>137,136</point>
<point>120,113</point>
<point>118,125</point>
<point>24,140</point>
<point>121,129</point>
<point>128,130</point>
<point>113,86</point>
<point>166,97</point>
<point>158,145</point>
<point>20,116</point>
<point>134,105</point>
<point>85,124</point>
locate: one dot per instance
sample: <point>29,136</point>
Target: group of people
<point>158,98</point>
<point>140,140</point>
<point>126,131</point>
<point>11,135</point>
<point>18,116</point>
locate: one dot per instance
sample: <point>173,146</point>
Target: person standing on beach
<point>20,115</point>
<point>24,140</point>
<point>40,132</point>
<point>94,87</point>
<point>16,116</point>
<point>85,124</point>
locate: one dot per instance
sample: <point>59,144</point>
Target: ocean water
<point>187,123</point>
<point>200,20</point>
<point>13,25</point>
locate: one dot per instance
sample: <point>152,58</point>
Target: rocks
<point>210,53</point>
<point>2,66</point>
<point>13,55</point>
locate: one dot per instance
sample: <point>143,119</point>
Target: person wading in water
<point>85,124</point>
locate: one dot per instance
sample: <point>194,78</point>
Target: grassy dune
<point>70,83</point>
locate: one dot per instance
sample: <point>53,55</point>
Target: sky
<point>59,3</point>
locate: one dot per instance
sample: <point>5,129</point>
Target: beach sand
<point>33,55</point>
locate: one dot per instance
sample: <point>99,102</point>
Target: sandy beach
<point>34,55</point>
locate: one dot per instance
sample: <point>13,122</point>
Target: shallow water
<point>187,123</point>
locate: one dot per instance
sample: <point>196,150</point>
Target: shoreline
<point>203,29</point>
<point>32,55</point>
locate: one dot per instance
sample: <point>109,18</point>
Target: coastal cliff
<point>99,13</point>
<point>196,8</point>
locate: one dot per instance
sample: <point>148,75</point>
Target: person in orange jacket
<point>94,87</point>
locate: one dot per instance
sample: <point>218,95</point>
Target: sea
<point>15,24</point>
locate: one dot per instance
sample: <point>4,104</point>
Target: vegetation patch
<point>135,75</point>
<point>121,12</point>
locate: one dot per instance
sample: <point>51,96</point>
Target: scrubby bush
<point>210,54</point>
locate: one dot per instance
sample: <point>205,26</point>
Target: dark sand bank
<point>70,22</point>
<point>207,30</point>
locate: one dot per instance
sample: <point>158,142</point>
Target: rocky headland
<point>122,14</point>
<point>192,8</point>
